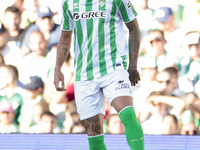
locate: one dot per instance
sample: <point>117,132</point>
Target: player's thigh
<point>89,99</point>
<point>119,90</point>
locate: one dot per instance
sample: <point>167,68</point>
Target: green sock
<point>133,129</point>
<point>97,142</point>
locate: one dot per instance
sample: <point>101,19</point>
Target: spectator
<point>1,60</point>
<point>12,54</point>
<point>45,24</point>
<point>7,115</point>
<point>189,129</point>
<point>114,125</point>
<point>158,106</point>
<point>29,14</point>
<point>38,109</point>
<point>68,122</point>
<point>71,117</point>
<point>168,82</point>
<point>173,34</point>
<point>32,94</point>
<point>33,64</point>
<point>146,84</point>
<point>48,123</point>
<point>192,109</point>
<point>143,10</point>
<point>189,63</point>
<point>12,20</point>
<point>55,7</point>
<point>56,99</point>
<point>153,47</point>
<point>10,91</point>
<point>197,87</point>
<point>19,5</point>
<point>191,9</point>
<point>170,125</point>
<point>78,128</point>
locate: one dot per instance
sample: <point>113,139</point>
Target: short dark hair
<point>12,70</point>
<point>12,9</point>
<point>48,113</point>
<point>173,117</point>
<point>157,30</point>
<point>171,70</point>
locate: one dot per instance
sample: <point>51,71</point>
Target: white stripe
<point>95,136</point>
<point>85,40</point>
<point>95,47</point>
<point>124,109</point>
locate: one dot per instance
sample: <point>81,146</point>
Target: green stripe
<point>80,42</point>
<point>74,44</point>
<point>123,11</point>
<point>113,44</point>
<point>134,12</point>
<point>124,62</point>
<point>89,67</point>
<point>101,36</point>
<point>66,18</point>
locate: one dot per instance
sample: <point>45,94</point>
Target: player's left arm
<point>134,46</point>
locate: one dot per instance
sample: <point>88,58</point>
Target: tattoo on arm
<point>66,50</point>
<point>93,125</point>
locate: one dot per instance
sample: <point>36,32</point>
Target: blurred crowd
<point>166,100</point>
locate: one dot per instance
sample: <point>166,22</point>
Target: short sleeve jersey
<point>99,36</point>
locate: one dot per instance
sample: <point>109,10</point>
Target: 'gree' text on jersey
<point>89,14</point>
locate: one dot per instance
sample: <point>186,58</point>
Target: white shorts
<point>90,95</point>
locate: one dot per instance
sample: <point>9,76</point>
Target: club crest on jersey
<point>89,15</point>
<point>75,5</point>
<point>129,4</point>
<point>101,3</point>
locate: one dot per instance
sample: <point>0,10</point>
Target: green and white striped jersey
<point>99,38</point>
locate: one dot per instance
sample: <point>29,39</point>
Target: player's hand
<point>59,77</point>
<point>134,76</point>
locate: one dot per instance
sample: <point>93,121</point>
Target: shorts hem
<point>90,115</point>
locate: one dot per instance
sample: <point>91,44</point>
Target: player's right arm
<point>62,53</point>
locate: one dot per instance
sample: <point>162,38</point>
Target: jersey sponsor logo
<point>122,85</point>
<point>129,4</point>
<point>89,15</point>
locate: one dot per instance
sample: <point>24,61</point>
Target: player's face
<point>12,21</point>
<point>48,123</point>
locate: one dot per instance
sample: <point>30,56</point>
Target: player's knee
<point>93,126</point>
